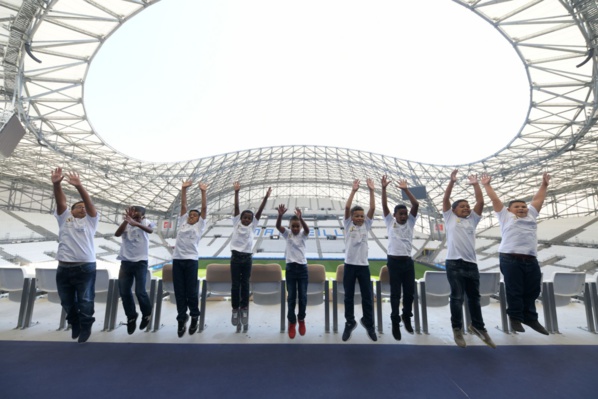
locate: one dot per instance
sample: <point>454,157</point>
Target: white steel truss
<point>555,39</point>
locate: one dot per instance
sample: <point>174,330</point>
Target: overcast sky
<point>188,79</point>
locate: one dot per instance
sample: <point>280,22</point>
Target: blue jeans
<point>523,280</point>
<point>362,275</point>
<point>401,271</point>
<point>240,272</point>
<point>464,278</point>
<point>296,276</point>
<point>76,288</point>
<point>128,272</point>
<point>186,288</point>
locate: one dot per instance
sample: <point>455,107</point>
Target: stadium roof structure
<point>555,39</point>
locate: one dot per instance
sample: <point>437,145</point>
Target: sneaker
<point>145,320</point>
<point>75,330</point>
<point>483,335</point>
<point>132,324</point>
<point>370,330</point>
<point>292,330</point>
<point>396,330</point>
<point>302,327</point>
<point>244,316</point>
<point>459,340</point>
<point>535,325</point>
<point>516,325</point>
<point>84,334</point>
<point>407,323</point>
<point>235,317</point>
<point>349,327</point>
<point>182,327</point>
<point>193,326</point>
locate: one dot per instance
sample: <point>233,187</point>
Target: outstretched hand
<point>545,178</point>
<point>402,184</point>
<point>186,184</point>
<point>203,186</point>
<point>282,209</point>
<point>385,181</point>
<point>454,175</point>
<point>298,212</point>
<point>236,186</point>
<point>72,178</point>
<point>485,179</point>
<point>57,175</point>
<point>356,184</point>
<point>370,183</point>
<point>473,179</point>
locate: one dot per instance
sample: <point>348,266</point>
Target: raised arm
<point>540,196</point>
<point>385,182</point>
<point>237,187</point>
<point>303,224</point>
<point>74,180</point>
<point>281,211</point>
<point>370,183</point>
<point>479,196</point>
<point>184,188</point>
<point>414,202</point>
<point>350,199</point>
<point>446,200</point>
<point>204,200</point>
<point>58,193</point>
<point>497,204</point>
<point>258,214</point>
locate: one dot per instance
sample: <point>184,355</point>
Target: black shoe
<point>84,334</point>
<point>193,326</point>
<point>396,330</point>
<point>182,327</point>
<point>75,330</point>
<point>349,327</point>
<point>132,324</point>
<point>516,325</point>
<point>370,330</point>
<point>535,325</point>
<point>407,323</point>
<point>145,320</point>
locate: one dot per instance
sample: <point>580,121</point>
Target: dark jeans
<point>464,279</point>
<point>186,289</point>
<point>240,272</point>
<point>401,271</point>
<point>128,272</point>
<point>76,288</point>
<point>362,275</point>
<point>523,280</point>
<point>296,276</point>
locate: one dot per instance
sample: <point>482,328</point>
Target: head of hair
<point>196,211</point>
<point>514,202</point>
<point>76,203</point>
<point>356,208</point>
<point>294,218</point>
<point>400,206</point>
<point>139,209</point>
<point>246,211</point>
<point>456,203</point>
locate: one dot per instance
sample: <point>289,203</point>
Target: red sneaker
<point>302,327</point>
<point>292,330</point>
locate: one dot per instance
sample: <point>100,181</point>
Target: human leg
<point>349,278</point>
<point>84,279</point>
<point>455,279</point>
<point>145,305</point>
<point>512,271</point>
<point>178,281</point>
<point>126,275</point>
<point>291,278</point>
<point>367,304</point>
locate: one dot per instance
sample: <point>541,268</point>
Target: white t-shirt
<point>295,250</point>
<point>356,242</point>
<point>400,236</point>
<point>460,236</point>
<point>519,235</point>
<point>135,242</point>
<point>187,238</point>
<point>75,237</point>
<point>242,238</point>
